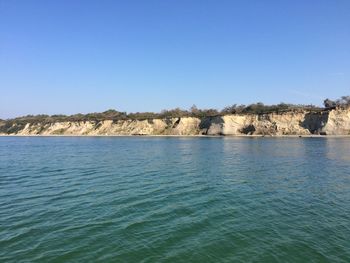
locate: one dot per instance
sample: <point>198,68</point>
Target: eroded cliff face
<point>334,122</point>
<point>173,126</point>
<point>289,123</point>
<point>338,123</point>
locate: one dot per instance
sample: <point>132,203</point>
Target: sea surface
<point>166,199</point>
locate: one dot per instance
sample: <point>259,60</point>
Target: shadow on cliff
<point>315,121</point>
<point>207,123</point>
<point>248,130</point>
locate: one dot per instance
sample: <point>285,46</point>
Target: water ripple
<point>174,200</point>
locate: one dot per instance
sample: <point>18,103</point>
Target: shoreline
<point>188,136</point>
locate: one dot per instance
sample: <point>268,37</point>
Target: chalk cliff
<point>333,122</point>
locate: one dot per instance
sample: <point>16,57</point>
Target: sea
<point>174,199</point>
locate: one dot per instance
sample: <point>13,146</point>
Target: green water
<point>174,199</point>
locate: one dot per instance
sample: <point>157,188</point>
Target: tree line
<point>255,108</point>
<point>343,102</point>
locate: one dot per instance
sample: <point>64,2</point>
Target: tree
<point>230,109</point>
<point>344,101</point>
<point>194,110</point>
<point>329,104</point>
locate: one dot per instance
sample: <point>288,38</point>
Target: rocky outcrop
<point>334,122</point>
<point>338,123</point>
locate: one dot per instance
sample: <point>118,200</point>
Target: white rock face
<point>338,123</point>
<point>267,124</point>
<point>335,122</point>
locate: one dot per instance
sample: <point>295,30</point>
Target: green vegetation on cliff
<point>255,108</point>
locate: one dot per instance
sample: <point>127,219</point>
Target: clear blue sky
<point>71,56</point>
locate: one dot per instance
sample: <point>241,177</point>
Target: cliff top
<point>255,108</point>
